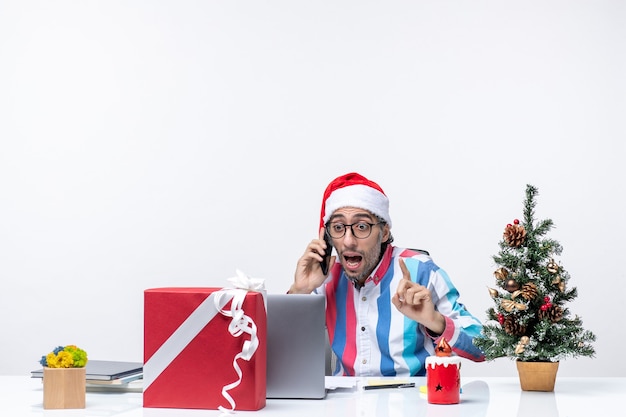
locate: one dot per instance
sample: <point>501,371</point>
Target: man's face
<point>358,257</point>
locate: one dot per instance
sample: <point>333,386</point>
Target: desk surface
<point>481,397</point>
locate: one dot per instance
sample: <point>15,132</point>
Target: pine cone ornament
<point>514,235</point>
<point>529,291</point>
<point>513,327</point>
<point>552,312</point>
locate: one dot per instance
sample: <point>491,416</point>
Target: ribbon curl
<point>240,324</point>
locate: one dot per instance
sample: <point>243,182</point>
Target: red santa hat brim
<point>354,190</point>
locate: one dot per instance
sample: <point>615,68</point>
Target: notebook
<point>100,370</point>
<point>296,346</point>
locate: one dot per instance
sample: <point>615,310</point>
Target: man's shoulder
<point>418,254</point>
<point>417,260</point>
<point>417,251</point>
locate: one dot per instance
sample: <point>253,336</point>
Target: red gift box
<point>189,350</point>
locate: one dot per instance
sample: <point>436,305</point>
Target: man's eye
<point>337,227</point>
<point>362,226</point>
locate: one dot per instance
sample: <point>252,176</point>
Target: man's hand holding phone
<point>313,265</point>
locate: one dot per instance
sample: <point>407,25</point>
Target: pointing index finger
<point>405,271</point>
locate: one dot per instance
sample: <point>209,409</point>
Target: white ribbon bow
<point>247,283</point>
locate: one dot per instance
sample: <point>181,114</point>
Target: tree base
<point>537,376</point>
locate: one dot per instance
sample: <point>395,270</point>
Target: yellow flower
<point>52,360</point>
<point>69,356</point>
<point>66,359</point>
<point>61,360</point>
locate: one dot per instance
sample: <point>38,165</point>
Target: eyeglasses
<point>360,230</point>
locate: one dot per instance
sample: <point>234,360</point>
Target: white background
<point>168,143</point>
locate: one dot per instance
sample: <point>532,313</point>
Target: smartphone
<point>329,250</point>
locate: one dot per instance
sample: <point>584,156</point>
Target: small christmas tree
<point>530,320</point>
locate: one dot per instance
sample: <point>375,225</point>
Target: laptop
<point>296,346</point>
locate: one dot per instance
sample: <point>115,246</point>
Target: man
<point>386,307</point>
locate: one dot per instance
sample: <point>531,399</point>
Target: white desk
<point>481,397</point>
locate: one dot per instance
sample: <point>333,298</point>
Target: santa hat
<point>354,190</point>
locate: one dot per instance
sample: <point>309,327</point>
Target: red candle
<point>443,379</point>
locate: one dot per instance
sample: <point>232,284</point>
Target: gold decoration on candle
<point>443,348</point>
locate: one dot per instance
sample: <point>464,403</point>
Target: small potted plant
<point>530,321</point>
<point>64,377</point>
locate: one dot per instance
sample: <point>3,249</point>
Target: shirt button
<point>364,361</point>
<point>364,299</point>
<point>363,328</point>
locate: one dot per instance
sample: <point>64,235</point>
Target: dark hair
<point>382,224</point>
<point>383,246</point>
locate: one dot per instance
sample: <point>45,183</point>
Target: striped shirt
<point>370,337</point>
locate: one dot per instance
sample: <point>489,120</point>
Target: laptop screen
<point>296,346</point>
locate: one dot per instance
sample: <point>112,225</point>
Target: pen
<point>402,385</point>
